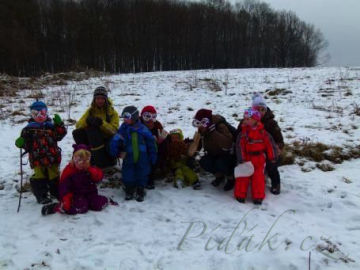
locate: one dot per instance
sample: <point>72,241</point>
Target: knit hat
<point>100,91</point>
<point>130,112</point>
<point>38,106</point>
<point>252,113</point>
<point>203,113</point>
<point>258,101</point>
<point>177,131</point>
<point>78,147</point>
<point>149,108</point>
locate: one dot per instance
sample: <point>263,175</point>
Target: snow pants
<point>82,203</point>
<point>257,180</point>
<point>184,173</point>
<point>136,174</point>
<point>273,172</point>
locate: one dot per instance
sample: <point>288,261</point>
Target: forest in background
<point>115,36</point>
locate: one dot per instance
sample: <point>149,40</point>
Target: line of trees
<point>150,35</point>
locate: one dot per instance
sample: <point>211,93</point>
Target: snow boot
<point>140,194</point>
<point>129,193</point>
<point>196,185</point>
<point>54,188</point>
<point>150,184</point>
<point>240,200</point>
<point>49,209</point>
<point>40,190</point>
<point>275,189</point>
<point>179,183</point>
<point>229,185</point>
<point>218,181</point>
<point>257,201</point>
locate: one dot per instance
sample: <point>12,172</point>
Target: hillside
<point>318,110</point>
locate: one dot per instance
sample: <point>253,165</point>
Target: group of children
<point>145,148</point>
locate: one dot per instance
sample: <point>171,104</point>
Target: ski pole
<point>21,178</point>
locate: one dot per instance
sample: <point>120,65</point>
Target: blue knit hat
<point>38,106</point>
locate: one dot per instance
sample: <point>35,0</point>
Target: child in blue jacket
<point>138,146</point>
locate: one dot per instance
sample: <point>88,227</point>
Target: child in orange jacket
<point>252,144</point>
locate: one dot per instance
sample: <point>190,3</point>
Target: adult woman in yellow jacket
<point>97,126</point>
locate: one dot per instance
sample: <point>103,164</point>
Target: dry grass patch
<point>319,152</point>
<point>277,92</point>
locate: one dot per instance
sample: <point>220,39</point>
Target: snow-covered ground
<point>317,212</point>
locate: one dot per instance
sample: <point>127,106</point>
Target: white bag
<point>245,169</point>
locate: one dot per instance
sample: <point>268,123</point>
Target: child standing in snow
<point>271,126</point>
<point>253,144</point>
<point>39,138</point>
<point>77,188</point>
<point>138,145</point>
<point>177,156</point>
<point>148,117</point>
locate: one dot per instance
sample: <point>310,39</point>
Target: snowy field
<point>315,219</point>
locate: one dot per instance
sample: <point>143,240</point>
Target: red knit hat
<point>149,108</point>
<point>203,113</point>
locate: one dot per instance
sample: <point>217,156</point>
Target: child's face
<point>128,121</point>
<point>81,159</point>
<point>246,121</point>
<point>252,122</point>
<point>149,124</point>
<point>39,116</point>
<point>175,137</point>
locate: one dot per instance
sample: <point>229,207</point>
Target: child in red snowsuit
<point>252,144</point>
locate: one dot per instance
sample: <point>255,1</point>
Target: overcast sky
<point>338,20</point>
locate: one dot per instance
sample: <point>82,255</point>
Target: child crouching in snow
<point>251,145</point>
<point>77,188</point>
<point>177,158</point>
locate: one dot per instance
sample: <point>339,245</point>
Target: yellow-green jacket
<point>107,113</point>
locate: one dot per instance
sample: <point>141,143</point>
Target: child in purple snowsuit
<point>77,189</point>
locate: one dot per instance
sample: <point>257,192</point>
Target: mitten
<point>20,142</point>
<point>94,121</point>
<point>97,122</point>
<point>57,119</point>
<point>89,121</point>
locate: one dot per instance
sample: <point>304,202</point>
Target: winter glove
<point>211,128</point>
<point>20,142</point>
<point>67,200</point>
<point>162,134</point>
<point>94,121</point>
<point>57,119</point>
